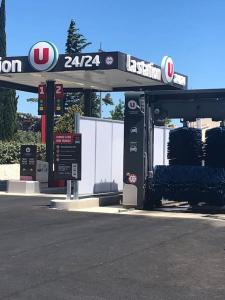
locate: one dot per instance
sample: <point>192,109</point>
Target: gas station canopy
<point>100,71</point>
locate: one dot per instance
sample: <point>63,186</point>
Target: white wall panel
<point>158,146</point>
<point>117,154</point>
<point>166,143</point>
<point>87,128</point>
<point>103,156</point>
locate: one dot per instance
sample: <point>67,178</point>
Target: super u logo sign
<point>43,56</point>
<point>167,69</point>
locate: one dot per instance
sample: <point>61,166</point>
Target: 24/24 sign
<point>81,61</point>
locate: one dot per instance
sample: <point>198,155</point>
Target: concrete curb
<point>74,204</point>
<point>86,203</point>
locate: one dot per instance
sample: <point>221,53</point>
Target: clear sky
<point>191,32</point>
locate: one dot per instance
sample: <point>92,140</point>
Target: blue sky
<point>191,32</point>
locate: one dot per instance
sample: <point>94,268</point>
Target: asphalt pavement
<point>57,255</point>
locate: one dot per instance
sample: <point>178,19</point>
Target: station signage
<point>67,156</point>
<point>28,162</point>
<point>64,138</point>
<point>10,66</point>
<point>44,57</point>
<point>143,68</point>
<point>150,70</point>
<point>167,69</point>
<point>59,99</point>
<point>42,99</point>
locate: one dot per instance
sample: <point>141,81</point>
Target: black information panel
<point>134,144</point>
<point>68,159</point>
<point>28,161</point>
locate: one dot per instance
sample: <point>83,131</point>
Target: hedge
<point>10,152</point>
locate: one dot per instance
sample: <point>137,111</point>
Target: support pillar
<point>49,129</point>
<point>135,165</point>
<point>43,129</point>
<point>87,103</point>
<point>149,201</point>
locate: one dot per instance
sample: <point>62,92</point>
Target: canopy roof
<point>101,71</point>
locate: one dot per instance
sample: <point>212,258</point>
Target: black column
<point>149,200</point>
<point>150,135</point>
<point>135,164</point>
<point>49,129</point>
<point>87,103</point>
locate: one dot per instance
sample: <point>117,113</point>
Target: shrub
<point>10,152</point>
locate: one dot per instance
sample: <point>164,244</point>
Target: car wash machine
<point>196,170</point>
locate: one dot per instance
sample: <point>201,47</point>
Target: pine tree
<point>8,100</point>
<point>76,42</point>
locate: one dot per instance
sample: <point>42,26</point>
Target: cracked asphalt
<point>50,254</point>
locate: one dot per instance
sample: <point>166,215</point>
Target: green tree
<point>95,105</point>
<point>8,100</point>
<point>76,42</point>
<point>118,112</point>
<point>10,114</point>
<point>2,29</point>
<point>65,123</point>
<point>2,54</point>
<point>168,122</point>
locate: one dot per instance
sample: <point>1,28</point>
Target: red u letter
<point>170,69</point>
<point>45,56</point>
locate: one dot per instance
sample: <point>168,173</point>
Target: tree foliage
<point>2,30</point>
<point>65,123</point>
<point>8,99</point>
<point>118,112</point>
<point>27,137</point>
<point>28,122</point>
<point>10,152</point>
<point>76,42</point>
<point>168,122</point>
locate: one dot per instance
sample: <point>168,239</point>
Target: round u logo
<point>167,68</point>
<point>43,56</point>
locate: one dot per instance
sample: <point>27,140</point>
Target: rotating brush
<point>184,150</point>
<point>190,183</point>
<point>214,149</point>
<point>185,146</point>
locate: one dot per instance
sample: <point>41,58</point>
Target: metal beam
<point>189,105</point>
<point>18,86</point>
